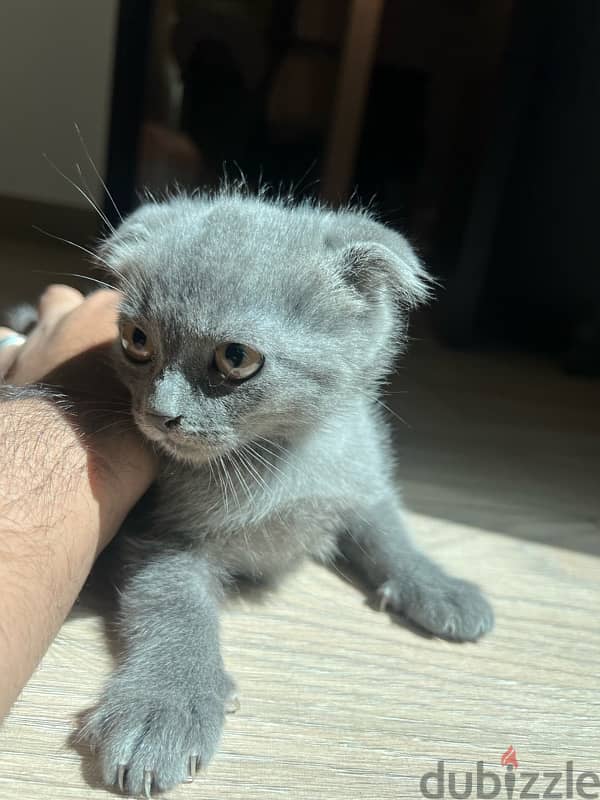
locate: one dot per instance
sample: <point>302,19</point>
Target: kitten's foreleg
<point>162,711</point>
<point>408,582</point>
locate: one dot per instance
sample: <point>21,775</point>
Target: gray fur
<point>294,462</point>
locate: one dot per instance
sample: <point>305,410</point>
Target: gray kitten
<point>254,337</point>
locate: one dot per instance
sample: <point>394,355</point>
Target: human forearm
<point>63,494</point>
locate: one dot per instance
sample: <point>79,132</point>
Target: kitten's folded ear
<point>373,257</point>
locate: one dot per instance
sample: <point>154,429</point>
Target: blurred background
<point>471,127</point>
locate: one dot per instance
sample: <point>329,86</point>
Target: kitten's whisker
<point>78,188</point>
<point>244,466</point>
<point>265,449</point>
<point>249,494</point>
<point>211,475</point>
<point>281,458</point>
<point>383,405</point>
<point>114,403</point>
<point>73,244</point>
<point>232,484</point>
<point>247,449</point>
<point>107,412</point>
<point>226,482</point>
<point>82,179</point>
<point>124,282</point>
<point>98,282</point>
<point>277,473</point>
<point>273,443</point>
<point>74,275</point>
<point>91,160</point>
<point>221,484</point>
<point>240,477</point>
<point>113,269</point>
<point>109,427</point>
<point>252,469</point>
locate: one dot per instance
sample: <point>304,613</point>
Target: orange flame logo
<point>509,758</point>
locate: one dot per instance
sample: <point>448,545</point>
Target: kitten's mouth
<point>186,451</point>
<point>178,444</point>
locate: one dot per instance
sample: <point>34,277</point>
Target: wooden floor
<point>500,464</point>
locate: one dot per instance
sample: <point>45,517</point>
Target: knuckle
<point>57,292</point>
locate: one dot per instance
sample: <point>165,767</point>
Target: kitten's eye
<point>237,361</point>
<point>136,343</point>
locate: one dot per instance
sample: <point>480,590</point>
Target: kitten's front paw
<point>447,607</point>
<point>154,741</point>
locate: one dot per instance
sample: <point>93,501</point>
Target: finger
<point>8,352</point>
<point>56,301</point>
<point>104,300</point>
<point>97,315</point>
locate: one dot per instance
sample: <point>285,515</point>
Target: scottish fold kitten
<point>254,337</point>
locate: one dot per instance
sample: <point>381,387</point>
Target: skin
<point>70,471</point>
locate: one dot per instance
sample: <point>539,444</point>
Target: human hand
<point>68,326</point>
<point>68,350</point>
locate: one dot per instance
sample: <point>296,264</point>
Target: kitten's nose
<point>164,421</point>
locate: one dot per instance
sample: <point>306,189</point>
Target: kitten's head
<point>244,318</point>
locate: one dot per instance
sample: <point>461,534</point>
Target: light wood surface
<point>499,461</point>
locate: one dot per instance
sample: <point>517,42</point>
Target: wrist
<point>121,467</point>
<point>69,460</point>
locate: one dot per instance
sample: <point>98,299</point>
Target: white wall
<point>56,61</point>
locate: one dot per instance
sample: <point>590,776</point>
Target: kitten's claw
<point>233,705</point>
<point>149,746</point>
<point>147,783</point>
<point>384,598</point>
<point>447,607</point>
<point>121,777</point>
<point>193,768</point>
